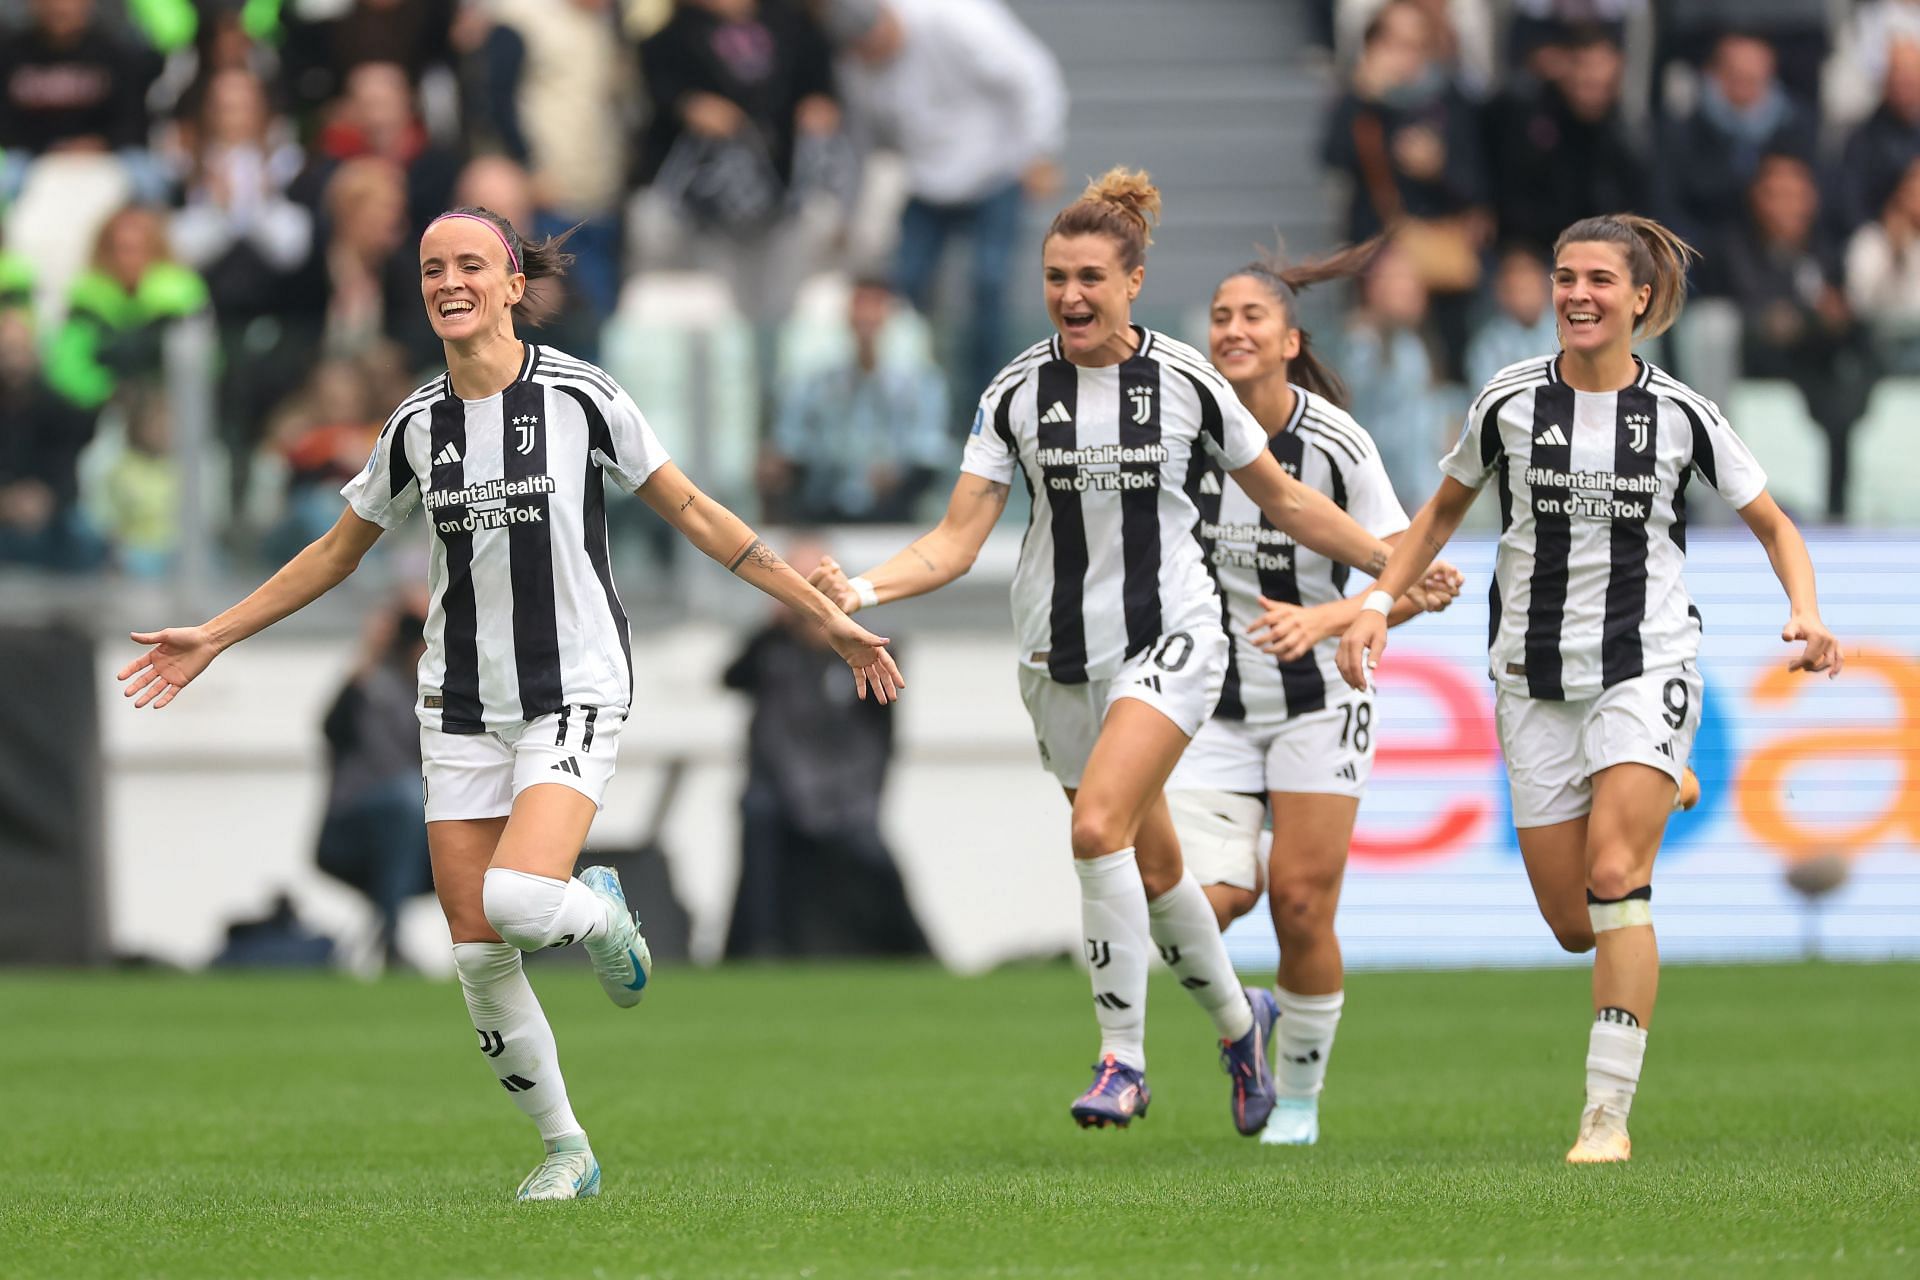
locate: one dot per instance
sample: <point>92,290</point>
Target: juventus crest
<point>1142,398</point>
<point>525,424</point>
<point>1639,429</point>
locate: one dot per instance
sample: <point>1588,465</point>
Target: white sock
<point>1113,913</point>
<point>1614,1053</point>
<point>514,1034</point>
<point>1188,935</point>
<point>533,911</point>
<point>1303,1041</point>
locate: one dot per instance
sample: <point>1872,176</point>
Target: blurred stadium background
<point>210,212</point>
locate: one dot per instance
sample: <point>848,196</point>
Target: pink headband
<point>512,257</point>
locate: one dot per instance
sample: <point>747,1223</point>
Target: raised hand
<point>177,656</point>
<point>874,670</point>
<point>1285,630</point>
<point>831,581</point>
<point>1822,650</point>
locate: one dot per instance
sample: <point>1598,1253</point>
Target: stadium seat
<point>685,354</point>
<point>1771,416</point>
<point>1886,457</point>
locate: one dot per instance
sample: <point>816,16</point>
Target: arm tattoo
<point>689,501</point>
<point>1376,564</point>
<point>922,556</point>
<point>753,545</point>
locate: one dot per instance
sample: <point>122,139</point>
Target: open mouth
<point>1577,320</point>
<point>1077,321</point>
<point>457,307</point>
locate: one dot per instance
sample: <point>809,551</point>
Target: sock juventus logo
<point>1306,1059</point>
<point>1615,1014</point>
<point>1171,954</point>
<point>1192,983</point>
<point>566,940</point>
<point>1099,954</point>
<point>525,424</point>
<point>491,1043</point>
<point>1142,398</point>
<point>515,1084</point>
<point>1108,1000</point>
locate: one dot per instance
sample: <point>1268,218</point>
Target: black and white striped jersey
<point>1324,448</point>
<point>1109,563</point>
<point>524,617</point>
<point>1587,587</point>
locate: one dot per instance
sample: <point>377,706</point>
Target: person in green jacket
<point>118,307</point>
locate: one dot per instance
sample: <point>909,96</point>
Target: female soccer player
<point>1121,647</point>
<point>1593,636</point>
<point>527,678</point>
<point>1282,730</point>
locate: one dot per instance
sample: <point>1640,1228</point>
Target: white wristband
<point>1378,601</point>
<point>864,592</point>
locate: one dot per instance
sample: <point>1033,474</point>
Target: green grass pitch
<point>850,1121</point>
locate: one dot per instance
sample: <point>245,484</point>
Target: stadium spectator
<point>138,503</point>
<point>1786,282</point>
<point>322,434</point>
<point>323,44</point>
<point>816,876</point>
<point>1522,325</point>
<point>1883,276</point>
<point>118,308</point>
<point>1879,25</point>
<point>1800,33</point>
<point>372,277</point>
<point>1886,142</point>
<point>490,69</point>
<point>560,310</point>
<point>1390,371</point>
<point>1463,38</point>
<point>976,106</point>
<point>373,837</point>
<point>1561,149</point>
<point>1538,30</point>
<point>41,436</point>
<point>576,92</point>
<point>1411,144</point>
<point>68,84</point>
<point>739,88</point>
<point>859,440</point>
<point>376,117</point>
<point>1710,158</point>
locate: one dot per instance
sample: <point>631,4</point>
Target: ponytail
<point>535,259</point>
<point>1287,281</point>
<point>1122,204</point>
<point>1655,256</point>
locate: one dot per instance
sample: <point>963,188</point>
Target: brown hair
<point>1122,204</point>
<point>537,259</point>
<point>1286,281</point>
<point>1655,256</point>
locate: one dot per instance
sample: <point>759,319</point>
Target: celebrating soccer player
<point>527,678</point>
<point>1593,637</point>
<point>1283,734</point>
<point>1122,652</point>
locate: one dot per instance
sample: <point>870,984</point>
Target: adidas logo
<point>1108,1000</point>
<point>1058,413</point>
<point>1552,435</point>
<point>569,765</point>
<point>1347,771</point>
<point>1152,682</point>
<point>1210,483</point>
<point>447,456</point>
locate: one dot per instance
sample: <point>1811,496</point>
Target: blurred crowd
<point>1782,137</point>
<point>263,168</point>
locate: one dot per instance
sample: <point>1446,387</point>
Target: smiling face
<point>1090,292</point>
<point>1249,335</point>
<point>465,281</point>
<point>1595,301</point>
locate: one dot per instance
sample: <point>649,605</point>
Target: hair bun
<point>1131,191</point>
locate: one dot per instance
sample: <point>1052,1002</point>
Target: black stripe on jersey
<point>559,378</point>
<point>560,738</point>
<point>1327,432</point>
<point>1301,683</point>
<point>536,625</point>
<point>415,401</point>
<point>1552,542</point>
<point>1212,422</point>
<point>586,730</point>
<point>1066,622</point>
<point>1018,368</point>
<point>460,688</point>
<point>553,362</point>
<point>1622,656</point>
<point>1493,452</point>
<point>1541,367</point>
<point>1341,572</point>
<point>1200,465</point>
<point>1140,508</point>
<point>593,518</point>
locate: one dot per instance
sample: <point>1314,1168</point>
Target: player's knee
<point>1614,874</point>
<point>1098,831</point>
<point>522,908</point>
<point>1301,908</point>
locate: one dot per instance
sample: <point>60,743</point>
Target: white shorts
<point>1223,837</point>
<point>478,775</point>
<point>1179,675</point>
<point>1553,749</point>
<point>1328,752</point>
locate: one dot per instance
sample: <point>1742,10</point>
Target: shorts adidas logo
<point>569,765</point>
<point>1552,435</point>
<point>1348,772</point>
<point>1057,413</point>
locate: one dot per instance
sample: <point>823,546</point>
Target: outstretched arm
<point>1310,517</point>
<point>181,653</point>
<point>723,536</point>
<point>1288,631</point>
<point>1794,567</point>
<point>1425,538</point>
<point>931,561</point>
